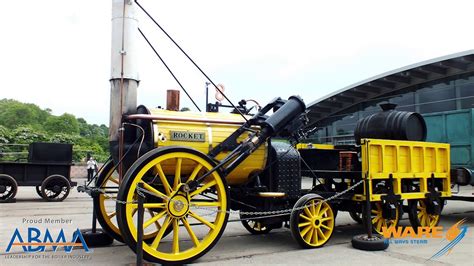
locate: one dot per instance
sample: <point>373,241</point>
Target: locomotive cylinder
<point>391,124</point>
<point>289,111</point>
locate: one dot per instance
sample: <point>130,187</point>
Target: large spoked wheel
<point>255,227</point>
<point>420,214</point>
<point>8,188</point>
<point>55,188</point>
<point>377,217</point>
<point>312,221</point>
<point>108,182</point>
<point>197,218</point>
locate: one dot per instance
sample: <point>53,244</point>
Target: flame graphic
<point>454,230</point>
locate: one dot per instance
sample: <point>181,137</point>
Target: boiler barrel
<point>391,124</point>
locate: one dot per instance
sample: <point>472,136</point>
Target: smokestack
<point>172,100</point>
<point>124,71</point>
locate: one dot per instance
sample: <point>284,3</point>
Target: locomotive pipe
<point>124,72</point>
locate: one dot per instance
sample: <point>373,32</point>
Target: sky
<point>56,53</point>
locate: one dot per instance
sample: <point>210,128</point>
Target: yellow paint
<point>215,133</point>
<point>414,160</point>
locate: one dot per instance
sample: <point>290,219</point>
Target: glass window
<point>405,102</point>
<point>466,93</point>
<point>437,99</point>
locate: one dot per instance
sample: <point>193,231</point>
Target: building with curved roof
<point>441,89</point>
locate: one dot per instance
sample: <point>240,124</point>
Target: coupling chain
<point>262,214</point>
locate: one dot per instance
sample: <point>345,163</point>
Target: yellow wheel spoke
<point>375,212</point>
<point>154,219</point>
<point>326,227</point>
<point>305,217</point>
<point>111,215</point>
<point>161,232</point>
<point>315,236</point>
<point>206,203</point>
<point>175,236</point>
<point>323,211</point>
<point>320,232</point>
<point>201,189</point>
<point>114,180</point>
<point>307,212</point>
<point>326,219</point>
<point>154,191</point>
<point>190,232</point>
<point>177,175</point>
<point>318,207</point>
<point>375,219</point>
<point>378,226</point>
<point>304,224</point>
<point>195,172</point>
<point>305,230</point>
<point>163,179</point>
<point>309,235</point>
<point>313,208</point>
<point>202,220</point>
<point>149,205</point>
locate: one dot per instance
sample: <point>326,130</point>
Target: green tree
<point>66,124</point>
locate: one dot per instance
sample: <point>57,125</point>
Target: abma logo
<point>34,242</point>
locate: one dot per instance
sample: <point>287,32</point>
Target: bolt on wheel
<point>312,221</point>
<point>195,220</point>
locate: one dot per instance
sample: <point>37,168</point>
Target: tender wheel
<point>312,221</point>
<point>356,216</point>
<point>55,188</point>
<point>378,221</point>
<point>8,188</point>
<point>197,219</point>
<point>38,191</point>
<point>255,227</point>
<point>374,243</point>
<point>420,215</point>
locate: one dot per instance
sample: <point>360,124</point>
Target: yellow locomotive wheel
<point>195,220</point>
<point>312,221</point>
<point>419,214</point>
<point>108,182</point>
<point>377,219</point>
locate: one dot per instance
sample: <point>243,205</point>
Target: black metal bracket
<point>390,200</point>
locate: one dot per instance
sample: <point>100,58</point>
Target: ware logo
<point>454,235</point>
<point>35,243</point>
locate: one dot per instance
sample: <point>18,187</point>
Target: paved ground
<point>236,246</point>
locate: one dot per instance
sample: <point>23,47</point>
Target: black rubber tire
<point>294,217</point>
<point>356,216</point>
<point>38,191</point>
<point>377,242</point>
<point>97,239</point>
<point>58,179</point>
<point>105,226</point>
<point>8,181</point>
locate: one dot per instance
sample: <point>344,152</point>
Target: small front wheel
<point>312,221</point>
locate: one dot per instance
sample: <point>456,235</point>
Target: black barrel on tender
<point>391,124</point>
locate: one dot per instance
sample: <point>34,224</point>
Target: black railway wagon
<point>47,168</point>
